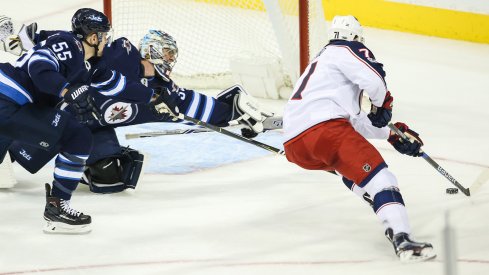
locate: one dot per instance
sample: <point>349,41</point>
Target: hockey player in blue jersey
<point>57,68</point>
<point>151,65</point>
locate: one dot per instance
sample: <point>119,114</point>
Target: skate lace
<point>65,205</point>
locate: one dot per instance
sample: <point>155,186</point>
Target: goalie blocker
<point>115,173</point>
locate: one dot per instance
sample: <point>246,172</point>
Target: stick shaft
<point>233,135</point>
<point>433,163</point>
<point>166,133</point>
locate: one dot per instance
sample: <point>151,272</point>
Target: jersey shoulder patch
<point>123,44</point>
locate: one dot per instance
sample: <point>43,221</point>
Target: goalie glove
<point>17,44</point>
<point>8,41</point>
<point>6,27</point>
<point>165,106</point>
<point>411,147</point>
<point>245,110</point>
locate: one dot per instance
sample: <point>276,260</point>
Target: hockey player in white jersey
<point>325,128</point>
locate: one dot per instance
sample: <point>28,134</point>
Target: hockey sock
<point>76,145</point>
<point>388,204</point>
<point>67,173</point>
<point>389,207</point>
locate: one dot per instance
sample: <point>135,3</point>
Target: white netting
<point>209,33</point>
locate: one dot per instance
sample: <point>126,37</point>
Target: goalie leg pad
<point>115,173</point>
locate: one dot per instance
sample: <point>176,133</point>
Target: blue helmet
<point>87,21</point>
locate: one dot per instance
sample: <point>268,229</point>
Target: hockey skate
<point>408,250</point>
<point>62,219</point>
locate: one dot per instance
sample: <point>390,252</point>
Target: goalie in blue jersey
<point>113,168</point>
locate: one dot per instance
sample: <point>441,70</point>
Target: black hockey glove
<point>410,148</point>
<point>380,116</point>
<point>79,98</point>
<point>165,106</point>
<point>248,133</point>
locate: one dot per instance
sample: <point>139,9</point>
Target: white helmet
<point>346,28</point>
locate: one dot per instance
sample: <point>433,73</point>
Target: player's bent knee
<point>115,173</point>
<point>76,137</point>
<point>384,179</point>
<point>384,190</point>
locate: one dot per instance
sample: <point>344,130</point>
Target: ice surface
<point>211,205</point>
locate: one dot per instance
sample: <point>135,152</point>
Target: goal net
<point>212,34</point>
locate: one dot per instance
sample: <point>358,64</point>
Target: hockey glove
<point>380,116</point>
<point>245,110</point>
<point>19,43</point>
<point>165,106</point>
<point>79,98</point>
<point>412,148</point>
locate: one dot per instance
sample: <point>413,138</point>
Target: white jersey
<point>332,86</point>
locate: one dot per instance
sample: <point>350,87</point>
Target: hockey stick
<point>270,123</point>
<point>433,163</point>
<point>231,134</point>
<point>481,179</point>
<point>166,133</point>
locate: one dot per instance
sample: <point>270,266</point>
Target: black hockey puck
<point>452,190</point>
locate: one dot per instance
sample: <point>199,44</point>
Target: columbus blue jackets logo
<point>118,112</point>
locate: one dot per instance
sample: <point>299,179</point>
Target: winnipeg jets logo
<point>126,44</point>
<point>118,112</point>
<point>95,18</point>
<point>25,154</point>
<point>56,120</point>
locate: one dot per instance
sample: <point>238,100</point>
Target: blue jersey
<point>55,63</point>
<point>122,56</point>
<point>59,60</point>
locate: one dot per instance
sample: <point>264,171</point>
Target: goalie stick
<point>270,123</point>
<point>231,134</point>
<point>167,133</point>
<point>433,163</point>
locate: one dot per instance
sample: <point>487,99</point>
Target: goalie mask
<point>161,50</point>
<point>346,28</point>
